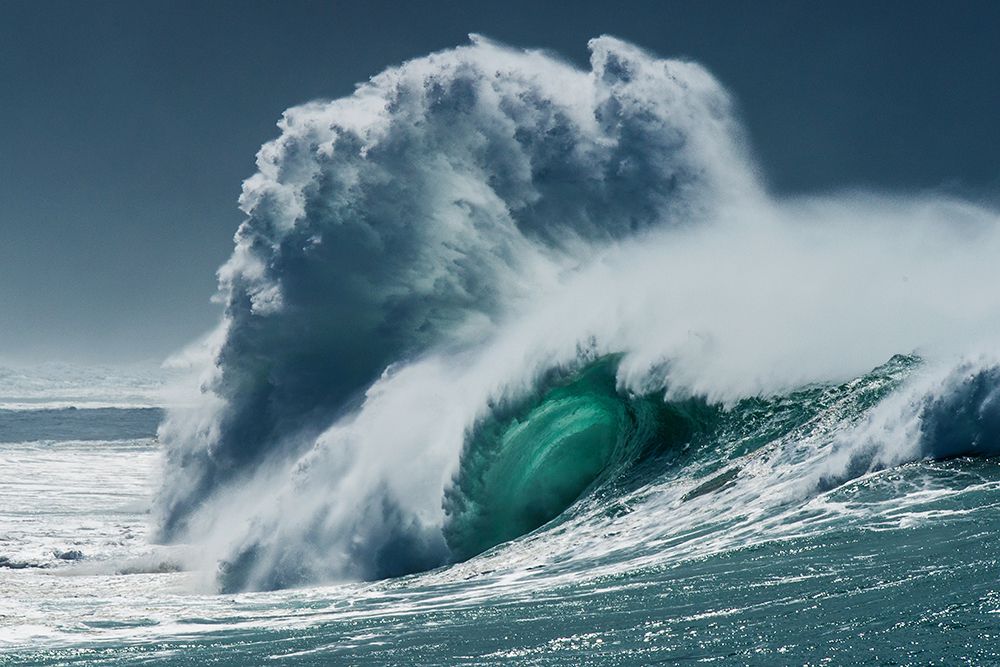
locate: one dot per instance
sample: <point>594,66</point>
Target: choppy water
<point>896,566</point>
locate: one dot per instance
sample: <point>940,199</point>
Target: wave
<point>523,466</point>
<point>488,286</point>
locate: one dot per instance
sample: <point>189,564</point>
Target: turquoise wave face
<point>526,464</point>
<point>522,468</point>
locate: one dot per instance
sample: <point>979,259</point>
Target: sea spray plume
<point>467,226</point>
<point>419,209</point>
<point>944,412</point>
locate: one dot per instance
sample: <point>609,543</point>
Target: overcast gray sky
<point>126,128</point>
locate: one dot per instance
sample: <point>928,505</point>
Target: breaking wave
<point>490,292</point>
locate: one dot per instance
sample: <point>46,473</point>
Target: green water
<point>529,462</point>
<point>526,465</point>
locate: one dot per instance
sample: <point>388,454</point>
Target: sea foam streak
<point>431,249</point>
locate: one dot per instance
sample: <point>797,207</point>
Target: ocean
<point>521,363</point>
<point>707,548</point>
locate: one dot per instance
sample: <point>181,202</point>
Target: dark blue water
<point>78,424</point>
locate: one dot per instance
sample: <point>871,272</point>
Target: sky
<point>126,128</point>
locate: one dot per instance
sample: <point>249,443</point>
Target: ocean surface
<point>522,363</point>
<point>700,549</point>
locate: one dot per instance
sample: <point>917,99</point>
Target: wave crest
<point>440,242</point>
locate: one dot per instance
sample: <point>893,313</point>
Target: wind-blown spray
<point>433,262</point>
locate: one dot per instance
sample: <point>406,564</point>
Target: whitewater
<point>523,363</point>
